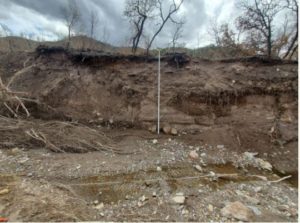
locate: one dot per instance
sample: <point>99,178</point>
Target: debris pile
<point>58,136</point>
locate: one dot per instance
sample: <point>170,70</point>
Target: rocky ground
<point>164,180</point>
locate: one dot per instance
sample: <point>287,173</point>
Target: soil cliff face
<point>245,105</point>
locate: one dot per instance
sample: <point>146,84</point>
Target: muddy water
<point>172,179</point>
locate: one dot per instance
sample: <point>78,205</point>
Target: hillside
<point>19,44</point>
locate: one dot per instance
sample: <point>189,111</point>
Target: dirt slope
<point>220,109</point>
<point>227,103</point>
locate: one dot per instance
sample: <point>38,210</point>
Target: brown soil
<point>221,109</point>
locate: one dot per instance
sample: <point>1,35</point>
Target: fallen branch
<point>18,74</point>
<point>40,137</point>
<point>22,105</point>
<point>11,99</point>
<point>260,177</point>
<point>10,109</point>
<point>281,179</point>
<point>57,136</point>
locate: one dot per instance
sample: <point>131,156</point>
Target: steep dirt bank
<point>220,109</point>
<point>247,106</point>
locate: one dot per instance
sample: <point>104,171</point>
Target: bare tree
<point>259,16</point>
<point>138,11</point>
<point>71,17</point>
<point>293,6</point>
<point>228,36</point>
<point>214,31</point>
<point>223,34</point>
<point>173,8</point>
<point>94,20</point>
<point>282,38</point>
<point>177,34</point>
<point>105,34</point>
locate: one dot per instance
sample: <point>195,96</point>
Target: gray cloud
<point>46,16</point>
<point>50,9</point>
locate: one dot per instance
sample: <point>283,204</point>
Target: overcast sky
<point>44,18</point>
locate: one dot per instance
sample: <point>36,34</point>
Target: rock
<point>4,191</point>
<point>167,129</point>
<point>152,129</point>
<point>210,208</point>
<point>148,183</point>
<point>174,132</point>
<point>249,156</point>
<point>193,155</point>
<point>99,206</point>
<point>198,167</point>
<point>23,160</point>
<point>212,174</point>
<point>96,202</point>
<point>154,141</point>
<point>139,204</point>
<point>239,193</point>
<point>257,189</point>
<point>264,164</point>
<point>255,210</point>
<point>179,199</point>
<point>283,207</point>
<point>15,151</point>
<point>220,146</point>
<point>185,212</point>
<point>143,198</point>
<point>154,194</point>
<point>203,154</point>
<point>102,214</point>
<point>252,200</point>
<point>293,212</point>
<point>238,211</point>
<point>158,169</point>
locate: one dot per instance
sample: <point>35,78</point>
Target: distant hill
<point>19,44</point>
